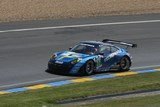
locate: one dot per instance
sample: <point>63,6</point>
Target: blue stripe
<point>60,83</point>
<point>146,71</point>
<point>17,90</point>
<point>103,76</point>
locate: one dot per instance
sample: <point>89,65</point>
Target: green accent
<point>99,63</point>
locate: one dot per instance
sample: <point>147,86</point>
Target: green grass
<point>147,101</point>
<point>49,96</point>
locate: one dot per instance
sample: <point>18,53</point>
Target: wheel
<point>88,68</point>
<point>124,64</point>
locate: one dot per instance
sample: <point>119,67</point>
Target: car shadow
<point>103,72</point>
<point>63,74</point>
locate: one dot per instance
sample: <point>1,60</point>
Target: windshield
<point>85,49</point>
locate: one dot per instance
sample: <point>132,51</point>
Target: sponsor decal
<point>98,61</point>
<point>110,56</point>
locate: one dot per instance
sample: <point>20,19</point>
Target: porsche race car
<point>88,57</point>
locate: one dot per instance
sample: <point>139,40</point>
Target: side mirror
<point>101,53</point>
<point>70,48</point>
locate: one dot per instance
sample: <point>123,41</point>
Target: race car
<point>88,57</point>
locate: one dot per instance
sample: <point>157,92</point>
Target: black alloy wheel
<point>89,67</point>
<point>124,64</point>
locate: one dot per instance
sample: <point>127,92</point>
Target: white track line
<point>144,67</point>
<point>83,25</point>
<point>52,79</point>
<point>32,82</point>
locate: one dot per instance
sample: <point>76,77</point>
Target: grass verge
<point>147,101</point>
<point>49,96</point>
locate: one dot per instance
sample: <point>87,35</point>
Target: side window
<point>114,49</point>
<point>80,47</point>
<point>105,49</point>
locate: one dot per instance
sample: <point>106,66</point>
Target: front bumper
<point>59,68</point>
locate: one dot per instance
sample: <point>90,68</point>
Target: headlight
<point>53,56</point>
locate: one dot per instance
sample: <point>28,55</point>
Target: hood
<point>68,56</point>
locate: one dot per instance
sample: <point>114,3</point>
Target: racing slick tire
<point>124,64</point>
<point>88,68</point>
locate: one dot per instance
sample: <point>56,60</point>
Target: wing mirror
<point>101,53</point>
<point>70,48</point>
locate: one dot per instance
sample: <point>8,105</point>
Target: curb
<point>79,80</point>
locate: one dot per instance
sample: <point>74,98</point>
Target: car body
<point>88,57</point>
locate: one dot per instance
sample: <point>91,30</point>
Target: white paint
<point>144,67</point>
<point>76,26</point>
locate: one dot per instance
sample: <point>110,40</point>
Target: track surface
<point>24,55</point>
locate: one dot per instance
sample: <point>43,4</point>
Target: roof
<point>95,42</point>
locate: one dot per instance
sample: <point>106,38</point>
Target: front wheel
<point>124,64</point>
<point>88,68</point>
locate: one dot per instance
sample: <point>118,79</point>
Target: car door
<point>109,56</point>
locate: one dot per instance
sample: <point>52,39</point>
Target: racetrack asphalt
<point>24,55</point>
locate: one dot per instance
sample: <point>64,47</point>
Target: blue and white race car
<point>88,57</point>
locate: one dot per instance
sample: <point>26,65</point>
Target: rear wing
<point>120,43</point>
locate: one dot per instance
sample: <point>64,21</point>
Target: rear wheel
<point>124,64</point>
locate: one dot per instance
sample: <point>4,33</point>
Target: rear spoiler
<point>120,43</point>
